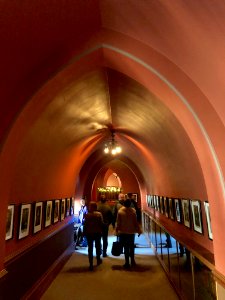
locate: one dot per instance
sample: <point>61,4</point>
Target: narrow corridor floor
<point>110,281</point>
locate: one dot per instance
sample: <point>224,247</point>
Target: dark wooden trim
<point>38,289</point>
<point>41,260</point>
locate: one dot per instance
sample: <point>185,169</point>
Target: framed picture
<point>135,197</point>
<point>186,212</point>
<point>171,208</point>
<point>161,204</point>
<point>196,215</point>
<point>165,204</point>
<point>156,202</point>
<point>178,213</point>
<point>56,211</point>
<point>152,201</point>
<point>208,219</point>
<point>67,207</point>
<point>63,207</point>
<point>24,220</point>
<point>72,206</point>
<point>38,216</point>
<point>48,213</point>
<point>9,222</point>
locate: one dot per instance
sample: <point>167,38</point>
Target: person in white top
<point>126,227</point>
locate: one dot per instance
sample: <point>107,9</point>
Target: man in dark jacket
<point>106,212</point>
<point>93,224</point>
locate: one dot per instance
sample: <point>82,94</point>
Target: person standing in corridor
<point>93,224</point>
<point>106,212</point>
<point>116,207</point>
<point>126,227</point>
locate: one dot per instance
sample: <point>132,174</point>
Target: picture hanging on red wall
<point>177,210</point>
<point>24,221</point>
<point>48,213</point>
<point>165,204</point>
<point>161,205</point>
<point>208,219</point>
<point>38,216</point>
<point>186,212</point>
<point>63,206</point>
<point>156,202</point>
<point>67,207</point>
<point>135,197</point>
<point>72,205</point>
<point>196,215</point>
<point>9,222</point>
<point>56,211</point>
<point>171,208</point>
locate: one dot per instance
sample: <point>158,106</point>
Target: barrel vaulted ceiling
<point>152,70</point>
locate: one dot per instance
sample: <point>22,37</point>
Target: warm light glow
<point>109,189</point>
<point>118,149</point>
<point>112,147</point>
<point>106,150</point>
<point>113,151</point>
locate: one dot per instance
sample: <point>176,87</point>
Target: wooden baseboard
<point>37,290</point>
<point>3,273</point>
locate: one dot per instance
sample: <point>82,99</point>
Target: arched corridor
<point>74,74</point>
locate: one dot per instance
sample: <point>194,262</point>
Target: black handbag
<point>117,248</point>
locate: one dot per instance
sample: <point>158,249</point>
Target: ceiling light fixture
<point>112,146</point>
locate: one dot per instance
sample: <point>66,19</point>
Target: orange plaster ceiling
<point>77,70</point>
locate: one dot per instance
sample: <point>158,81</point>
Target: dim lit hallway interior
<point>110,280</point>
<point>76,75</point>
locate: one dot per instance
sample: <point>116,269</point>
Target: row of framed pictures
<point>185,211</point>
<point>41,214</point>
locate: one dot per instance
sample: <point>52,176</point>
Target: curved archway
<point>88,63</point>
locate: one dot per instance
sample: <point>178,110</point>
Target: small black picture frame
<point>72,204</point>
<point>161,206</point>
<point>56,211</point>
<point>67,207</point>
<point>208,219</point>
<point>171,208</point>
<point>196,215</point>
<point>10,222</point>
<point>178,211</point>
<point>48,213</point>
<point>186,212</point>
<point>165,204</point>
<point>38,209</point>
<point>62,209</point>
<point>156,202</point>
<point>24,220</point>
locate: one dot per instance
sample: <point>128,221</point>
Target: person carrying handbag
<point>126,227</point>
